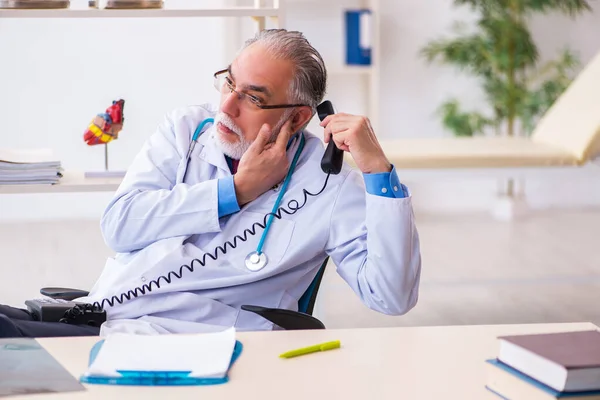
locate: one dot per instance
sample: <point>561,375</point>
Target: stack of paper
<point>22,167</point>
<point>162,359</point>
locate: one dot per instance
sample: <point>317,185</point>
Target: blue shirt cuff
<point>385,184</point>
<point>226,196</point>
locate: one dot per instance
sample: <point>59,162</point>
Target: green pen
<point>311,349</point>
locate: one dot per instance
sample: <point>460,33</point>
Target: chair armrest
<point>286,319</point>
<point>63,293</point>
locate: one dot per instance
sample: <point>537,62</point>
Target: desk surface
<point>382,363</point>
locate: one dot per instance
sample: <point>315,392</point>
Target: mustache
<point>227,122</point>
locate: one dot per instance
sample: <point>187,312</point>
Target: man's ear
<point>301,117</point>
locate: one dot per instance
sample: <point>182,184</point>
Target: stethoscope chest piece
<point>256,262</point>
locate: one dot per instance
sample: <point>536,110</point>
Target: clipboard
<point>156,378</point>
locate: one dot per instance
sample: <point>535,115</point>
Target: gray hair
<point>309,83</point>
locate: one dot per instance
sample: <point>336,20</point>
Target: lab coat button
<point>143,279</point>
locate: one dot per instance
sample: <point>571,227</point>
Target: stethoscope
<point>256,260</point>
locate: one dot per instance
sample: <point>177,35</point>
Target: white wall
<point>56,74</point>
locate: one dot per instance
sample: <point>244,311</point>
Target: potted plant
<point>502,54</point>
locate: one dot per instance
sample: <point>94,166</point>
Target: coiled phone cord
<point>293,206</point>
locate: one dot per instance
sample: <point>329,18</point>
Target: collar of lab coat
<point>212,154</point>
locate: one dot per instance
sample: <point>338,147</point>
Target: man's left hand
<point>354,134</point>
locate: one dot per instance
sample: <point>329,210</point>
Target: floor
<point>545,268</point>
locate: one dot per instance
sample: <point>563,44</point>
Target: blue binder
<point>358,37</point>
<point>156,378</point>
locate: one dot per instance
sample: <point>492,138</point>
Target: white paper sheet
<point>206,355</point>
<point>27,155</point>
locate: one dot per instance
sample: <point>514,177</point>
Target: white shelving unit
<point>75,181</point>
<point>148,13</point>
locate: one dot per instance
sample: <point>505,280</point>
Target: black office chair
<point>286,319</point>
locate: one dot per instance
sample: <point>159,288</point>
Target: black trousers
<point>15,322</point>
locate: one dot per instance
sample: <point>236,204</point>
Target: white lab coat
<point>156,224</point>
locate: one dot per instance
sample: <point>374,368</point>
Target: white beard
<point>236,150</point>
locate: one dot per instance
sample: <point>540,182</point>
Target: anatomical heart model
<point>103,129</point>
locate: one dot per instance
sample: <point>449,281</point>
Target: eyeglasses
<point>225,85</point>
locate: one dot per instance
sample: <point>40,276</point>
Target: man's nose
<point>230,104</point>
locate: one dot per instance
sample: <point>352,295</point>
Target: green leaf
<point>570,7</point>
<point>482,5</point>
<point>562,68</point>
<point>511,43</point>
<point>486,52</point>
<point>462,123</point>
<point>466,53</point>
<point>538,102</point>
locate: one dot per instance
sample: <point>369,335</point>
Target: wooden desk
<point>385,363</point>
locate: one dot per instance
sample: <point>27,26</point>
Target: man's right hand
<point>263,165</point>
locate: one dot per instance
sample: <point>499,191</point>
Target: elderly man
<point>229,206</point>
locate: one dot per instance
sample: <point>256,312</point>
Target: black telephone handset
<point>333,158</point>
